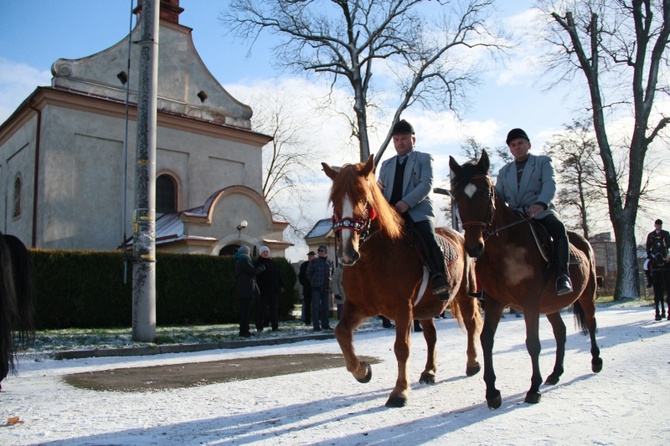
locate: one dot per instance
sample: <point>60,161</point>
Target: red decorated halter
<point>354,224</point>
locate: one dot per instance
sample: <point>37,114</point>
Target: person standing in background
<point>320,275</point>
<point>245,285</point>
<point>306,289</point>
<point>338,290</point>
<point>271,286</point>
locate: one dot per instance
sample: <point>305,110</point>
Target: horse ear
<point>484,162</point>
<point>455,167</point>
<point>332,173</point>
<point>369,166</point>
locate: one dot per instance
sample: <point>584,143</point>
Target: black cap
<point>323,248</point>
<point>514,134</point>
<point>659,222</point>
<point>402,126</point>
<point>311,253</point>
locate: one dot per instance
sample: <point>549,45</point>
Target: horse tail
<point>580,317</point>
<point>24,282</point>
<point>8,309</point>
<point>456,312</point>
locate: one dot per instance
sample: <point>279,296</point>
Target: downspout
<point>36,174</point>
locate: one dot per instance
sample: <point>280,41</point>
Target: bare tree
<point>348,39</point>
<point>619,46</point>
<point>287,160</point>
<point>582,179</point>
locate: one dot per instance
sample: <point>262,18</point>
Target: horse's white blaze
<point>470,190</point>
<point>347,211</point>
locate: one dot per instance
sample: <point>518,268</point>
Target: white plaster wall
<point>17,155</point>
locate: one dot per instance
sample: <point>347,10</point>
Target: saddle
<point>448,250</point>
<point>544,243</point>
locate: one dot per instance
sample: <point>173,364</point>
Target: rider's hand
<point>402,206</point>
<point>534,209</point>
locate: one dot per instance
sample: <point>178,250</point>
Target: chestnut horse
<point>17,290</point>
<point>512,271</point>
<point>384,274</point>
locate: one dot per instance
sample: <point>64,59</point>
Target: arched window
<point>166,194</point>
<point>17,197</point>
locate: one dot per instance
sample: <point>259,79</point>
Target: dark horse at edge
<point>17,297</point>
<point>512,271</point>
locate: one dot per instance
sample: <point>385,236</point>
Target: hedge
<point>86,289</point>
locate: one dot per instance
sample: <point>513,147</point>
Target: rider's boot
<point>563,282</point>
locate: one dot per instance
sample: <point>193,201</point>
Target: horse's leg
<point>532,318</point>
<point>430,335</point>
<point>344,333</point>
<point>585,312</point>
<point>400,394</point>
<point>492,312</point>
<point>472,320</point>
<point>559,335</point>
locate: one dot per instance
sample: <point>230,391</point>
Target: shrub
<point>86,289</point>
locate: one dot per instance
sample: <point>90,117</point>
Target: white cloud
<point>17,81</point>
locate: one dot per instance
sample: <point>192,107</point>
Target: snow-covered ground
<point>628,403</point>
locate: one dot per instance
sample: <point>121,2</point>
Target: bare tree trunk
<point>628,279</point>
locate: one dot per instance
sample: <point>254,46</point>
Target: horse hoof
<point>396,401</point>
<point>552,379</point>
<point>597,365</point>
<point>368,373</point>
<point>427,378</point>
<point>533,397</point>
<point>494,402</point>
<point>472,370</point>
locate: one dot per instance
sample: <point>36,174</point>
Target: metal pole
<point>124,212</point>
<point>144,235</point>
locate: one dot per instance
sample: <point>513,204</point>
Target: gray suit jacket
<point>417,183</point>
<point>537,185</point>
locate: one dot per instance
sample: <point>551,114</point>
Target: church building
<point>68,155</point>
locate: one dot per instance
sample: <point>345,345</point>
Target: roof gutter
<point>38,133</point>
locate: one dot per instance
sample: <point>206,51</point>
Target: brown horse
<point>388,277</point>
<point>512,271</point>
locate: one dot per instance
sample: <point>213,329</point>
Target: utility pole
<point>144,227</point>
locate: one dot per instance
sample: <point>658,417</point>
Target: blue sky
<point>38,32</point>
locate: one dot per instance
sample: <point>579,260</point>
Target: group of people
<point>527,184</point>
<point>260,283</point>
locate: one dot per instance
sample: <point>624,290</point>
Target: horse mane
<point>351,181</point>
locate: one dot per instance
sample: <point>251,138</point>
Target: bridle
<point>360,225</point>
<point>488,222</point>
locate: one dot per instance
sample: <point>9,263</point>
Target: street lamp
<point>243,224</point>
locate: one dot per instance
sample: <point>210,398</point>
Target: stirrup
<point>563,285</point>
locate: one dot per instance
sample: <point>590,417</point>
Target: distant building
<point>64,172</point>
<point>322,234</point>
<point>604,248</point>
